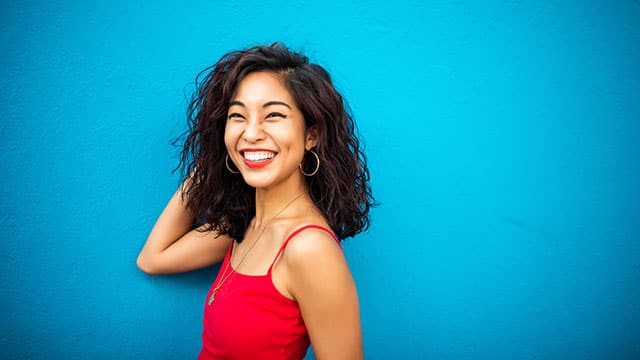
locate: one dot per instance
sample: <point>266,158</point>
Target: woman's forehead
<point>262,89</point>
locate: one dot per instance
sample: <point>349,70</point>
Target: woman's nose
<point>253,132</point>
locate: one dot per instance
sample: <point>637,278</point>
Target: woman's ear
<point>311,135</point>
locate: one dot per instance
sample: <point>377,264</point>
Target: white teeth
<point>258,155</point>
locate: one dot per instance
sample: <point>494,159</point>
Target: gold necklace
<point>225,276</point>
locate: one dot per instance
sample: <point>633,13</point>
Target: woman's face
<point>265,134</point>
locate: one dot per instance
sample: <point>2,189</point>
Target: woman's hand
<point>174,247</point>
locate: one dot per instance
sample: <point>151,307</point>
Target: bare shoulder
<point>316,265</point>
<point>311,244</point>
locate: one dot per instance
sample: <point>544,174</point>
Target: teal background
<point>502,139</point>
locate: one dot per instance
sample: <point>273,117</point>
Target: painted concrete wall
<point>503,146</point>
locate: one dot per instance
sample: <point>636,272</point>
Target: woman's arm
<point>173,247</point>
<point>321,283</point>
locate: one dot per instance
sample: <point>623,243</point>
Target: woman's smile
<point>257,158</point>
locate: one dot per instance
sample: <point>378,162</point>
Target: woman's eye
<point>275,115</point>
<point>235,116</point>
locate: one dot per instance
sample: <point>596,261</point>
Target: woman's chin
<point>269,180</point>
<point>257,181</point>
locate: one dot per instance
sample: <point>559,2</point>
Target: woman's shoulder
<point>310,229</point>
<point>314,262</point>
<point>310,239</point>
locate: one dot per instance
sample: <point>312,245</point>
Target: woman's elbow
<point>146,266</point>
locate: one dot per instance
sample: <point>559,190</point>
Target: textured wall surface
<point>503,146</point>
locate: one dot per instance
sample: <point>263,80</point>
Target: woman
<point>271,165</point>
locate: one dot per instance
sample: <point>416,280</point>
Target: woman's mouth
<point>258,158</point>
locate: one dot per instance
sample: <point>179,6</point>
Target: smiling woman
<point>266,130</point>
<point>271,163</point>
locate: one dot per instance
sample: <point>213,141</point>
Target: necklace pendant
<point>212,297</point>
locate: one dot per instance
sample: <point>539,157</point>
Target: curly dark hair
<point>340,189</point>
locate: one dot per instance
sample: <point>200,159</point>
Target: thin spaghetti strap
<point>299,230</point>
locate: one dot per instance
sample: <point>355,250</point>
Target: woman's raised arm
<point>174,247</point>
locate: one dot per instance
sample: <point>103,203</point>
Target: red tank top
<point>251,319</point>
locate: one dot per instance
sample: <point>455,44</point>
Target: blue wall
<point>503,146</point>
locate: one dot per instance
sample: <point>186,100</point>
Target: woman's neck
<point>270,203</point>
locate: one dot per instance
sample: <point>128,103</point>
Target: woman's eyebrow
<point>270,103</point>
<point>236,102</point>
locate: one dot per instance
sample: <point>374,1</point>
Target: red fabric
<point>251,319</point>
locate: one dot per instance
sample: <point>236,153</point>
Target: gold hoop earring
<point>315,171</point>
<point>226,162</point>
